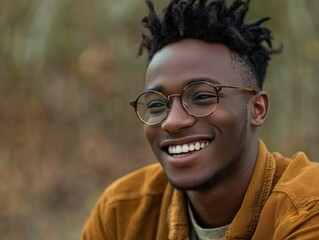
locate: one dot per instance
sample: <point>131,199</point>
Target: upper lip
<point>184,140</point>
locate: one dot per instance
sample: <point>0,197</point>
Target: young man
<point>202,106</point>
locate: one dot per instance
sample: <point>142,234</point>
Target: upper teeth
<point>176,149</point>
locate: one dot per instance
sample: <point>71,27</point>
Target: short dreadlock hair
<point>210,21</point>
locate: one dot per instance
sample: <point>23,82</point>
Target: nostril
<point>177,120</point>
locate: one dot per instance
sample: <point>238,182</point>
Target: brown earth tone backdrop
<point>67,71</point>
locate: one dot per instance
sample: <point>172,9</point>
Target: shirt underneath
<point>206,233</point>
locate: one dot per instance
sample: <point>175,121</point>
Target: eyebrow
<point>161,88</point>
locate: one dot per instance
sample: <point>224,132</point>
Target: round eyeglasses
<point>199,99</point>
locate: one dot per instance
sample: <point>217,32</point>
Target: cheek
<point>149,133</point>
<point>152,134</point>
<point>229,119</point>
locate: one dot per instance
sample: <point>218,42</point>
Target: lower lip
<point>185,159</point>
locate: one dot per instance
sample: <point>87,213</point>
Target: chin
<point>197,185</point>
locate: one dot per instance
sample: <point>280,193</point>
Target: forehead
<point>177,63</point>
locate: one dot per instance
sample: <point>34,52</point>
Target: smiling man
<point>201,108</point>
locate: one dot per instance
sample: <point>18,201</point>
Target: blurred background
<point>67,71</point>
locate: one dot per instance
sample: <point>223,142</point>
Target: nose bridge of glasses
<point>181,102</point>
<point>169,98</point>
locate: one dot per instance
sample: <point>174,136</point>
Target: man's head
<point>202,103</point>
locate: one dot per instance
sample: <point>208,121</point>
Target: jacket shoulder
<point>149,180</point>
<point>130,207</point>
<point>292,210</point>
<point>299,180</point>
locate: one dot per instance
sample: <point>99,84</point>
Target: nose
<point>177,118</point>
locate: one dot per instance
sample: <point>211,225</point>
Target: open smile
<point>175,150</point>
<point>185,153</point>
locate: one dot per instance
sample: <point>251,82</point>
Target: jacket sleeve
<point>281,219</point>
<point>303,224</point>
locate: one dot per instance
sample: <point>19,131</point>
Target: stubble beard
<point>215,179</point>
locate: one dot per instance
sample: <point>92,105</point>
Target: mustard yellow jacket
<point>282,202</point>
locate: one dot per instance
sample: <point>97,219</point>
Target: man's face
<point>219,142</point>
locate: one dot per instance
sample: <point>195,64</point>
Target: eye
<point>204,98</point>
<point>156,106</point>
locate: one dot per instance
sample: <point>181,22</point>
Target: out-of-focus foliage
<point>67,71</point>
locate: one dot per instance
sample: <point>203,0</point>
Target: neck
<point>217,206</point>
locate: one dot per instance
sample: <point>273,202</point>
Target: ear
<point>259,108</point>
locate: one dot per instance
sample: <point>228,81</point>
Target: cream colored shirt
<point>206,233</point>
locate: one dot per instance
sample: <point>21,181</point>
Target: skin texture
<point>215,178</point>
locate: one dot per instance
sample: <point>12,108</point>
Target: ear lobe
<point>259,107</point>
